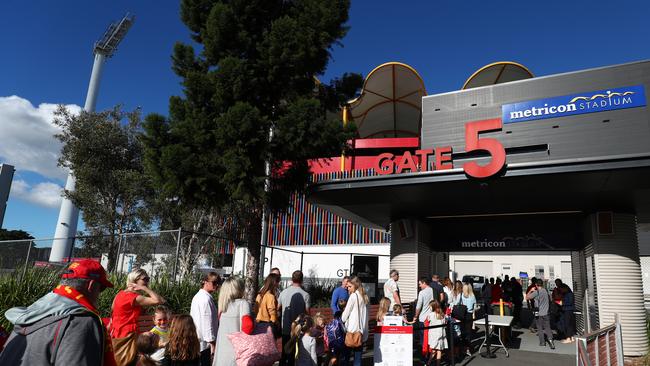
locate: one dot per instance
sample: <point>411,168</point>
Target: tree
<point>105,152</point>
<point>14,235</point>
<point>13,253</point>
<point>255,75</point>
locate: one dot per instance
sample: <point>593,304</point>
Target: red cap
<point>88,269</point>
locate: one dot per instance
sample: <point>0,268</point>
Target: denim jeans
<point>357,353</point>
<point>357,358</point>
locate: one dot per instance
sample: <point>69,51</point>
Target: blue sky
<point>47,59</point>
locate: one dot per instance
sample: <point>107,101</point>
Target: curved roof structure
<point>390,104</point>
<point>497,73</point>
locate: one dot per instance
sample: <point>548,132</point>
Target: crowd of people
<point>64,326</point>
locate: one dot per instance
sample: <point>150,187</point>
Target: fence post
<point>29,248</point>
<point>123,255</point>
<point>178,248</point>
<point>451,341</point>
<point>619,341</point>
<point>587,314</point>
<point>119,248</point>
<point>271,259</point>
<point>71,248</point>
<point>153,260</point>
<point>350,264</point>
<point>302,255</point>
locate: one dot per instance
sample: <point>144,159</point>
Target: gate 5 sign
<point>388,163</point>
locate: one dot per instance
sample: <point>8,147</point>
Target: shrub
<point>40,281</point>
<point>320,291</point>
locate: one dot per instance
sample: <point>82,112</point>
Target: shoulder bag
<point>355,339</point>
<point>459,311</point>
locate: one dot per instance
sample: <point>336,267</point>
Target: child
<point>436,336</point>
<point>397,311</point>
<point>301,343</point>
<point>183,346</point>
<point>148,352</point>
<point>384,306</point>
<point>317,332</point>
<point>335,336</point>
<point>161,324</point>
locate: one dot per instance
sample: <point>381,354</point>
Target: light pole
<point>66,225</point>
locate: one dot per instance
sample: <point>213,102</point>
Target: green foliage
<point>106,156</point>
<point>320,291</point>
<point>14,235</point>
<point>255,73</point>
<point>14,292</point>
<point>40,281</point>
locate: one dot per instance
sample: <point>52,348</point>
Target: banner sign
<point>514,233</point>
<point>567,105</point>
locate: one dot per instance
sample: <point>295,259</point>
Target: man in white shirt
<point>391,290</point>
<point>204,314</point>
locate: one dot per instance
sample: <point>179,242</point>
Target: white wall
<point>126,263</point>
<point>323,262</point>
<point>518,262</point>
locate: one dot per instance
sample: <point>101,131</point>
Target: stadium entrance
<point>575,183</point>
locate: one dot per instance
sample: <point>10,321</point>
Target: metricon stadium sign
<point>590,102</point>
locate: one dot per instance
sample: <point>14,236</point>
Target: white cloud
<point>44,194</point>
<point>27,137</point>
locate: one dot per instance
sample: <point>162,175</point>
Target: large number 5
<point>492,146</point>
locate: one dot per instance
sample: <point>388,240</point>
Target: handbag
<point>459,311</point>
<point>355,339</point>
<point>125,349</point>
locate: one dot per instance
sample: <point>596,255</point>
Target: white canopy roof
<point>390,104</point>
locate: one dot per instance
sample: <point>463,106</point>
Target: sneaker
<point>552,345</point>
<point>542,345</point>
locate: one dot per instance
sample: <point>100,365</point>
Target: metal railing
<point>601,347</point>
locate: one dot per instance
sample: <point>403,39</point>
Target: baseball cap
<point>88,269</point>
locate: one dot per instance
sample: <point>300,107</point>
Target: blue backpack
<point>335,335</point>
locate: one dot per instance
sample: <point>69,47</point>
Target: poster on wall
<point>393,346</point>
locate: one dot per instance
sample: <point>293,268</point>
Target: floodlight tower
<point>66,226</point>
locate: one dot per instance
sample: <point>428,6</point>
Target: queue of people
<point>64,326</point>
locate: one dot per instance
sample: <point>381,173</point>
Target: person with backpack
<point>335,337</point>
<point>63,327</point>
<point>301,344</point>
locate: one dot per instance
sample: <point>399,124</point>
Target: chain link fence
<point>172,253</point>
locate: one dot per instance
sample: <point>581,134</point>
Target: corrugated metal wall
<point>592,285</point>
<point>578,272</point>
<point>618,276</point>
<point>404,258</point>
<point>613,132</point>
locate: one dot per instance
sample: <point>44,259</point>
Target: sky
<point>47,58</point>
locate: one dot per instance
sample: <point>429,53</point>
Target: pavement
<point>523,348</point>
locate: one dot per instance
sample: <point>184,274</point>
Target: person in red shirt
<point>127,307</point>
<point>497,293</point>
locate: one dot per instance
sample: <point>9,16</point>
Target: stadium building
<point>511,175</point>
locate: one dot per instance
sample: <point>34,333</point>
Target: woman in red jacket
<point>127,307</point>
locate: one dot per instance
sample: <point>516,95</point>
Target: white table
<point>495,321</point>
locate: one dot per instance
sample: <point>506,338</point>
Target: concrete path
<point>524,349</point>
